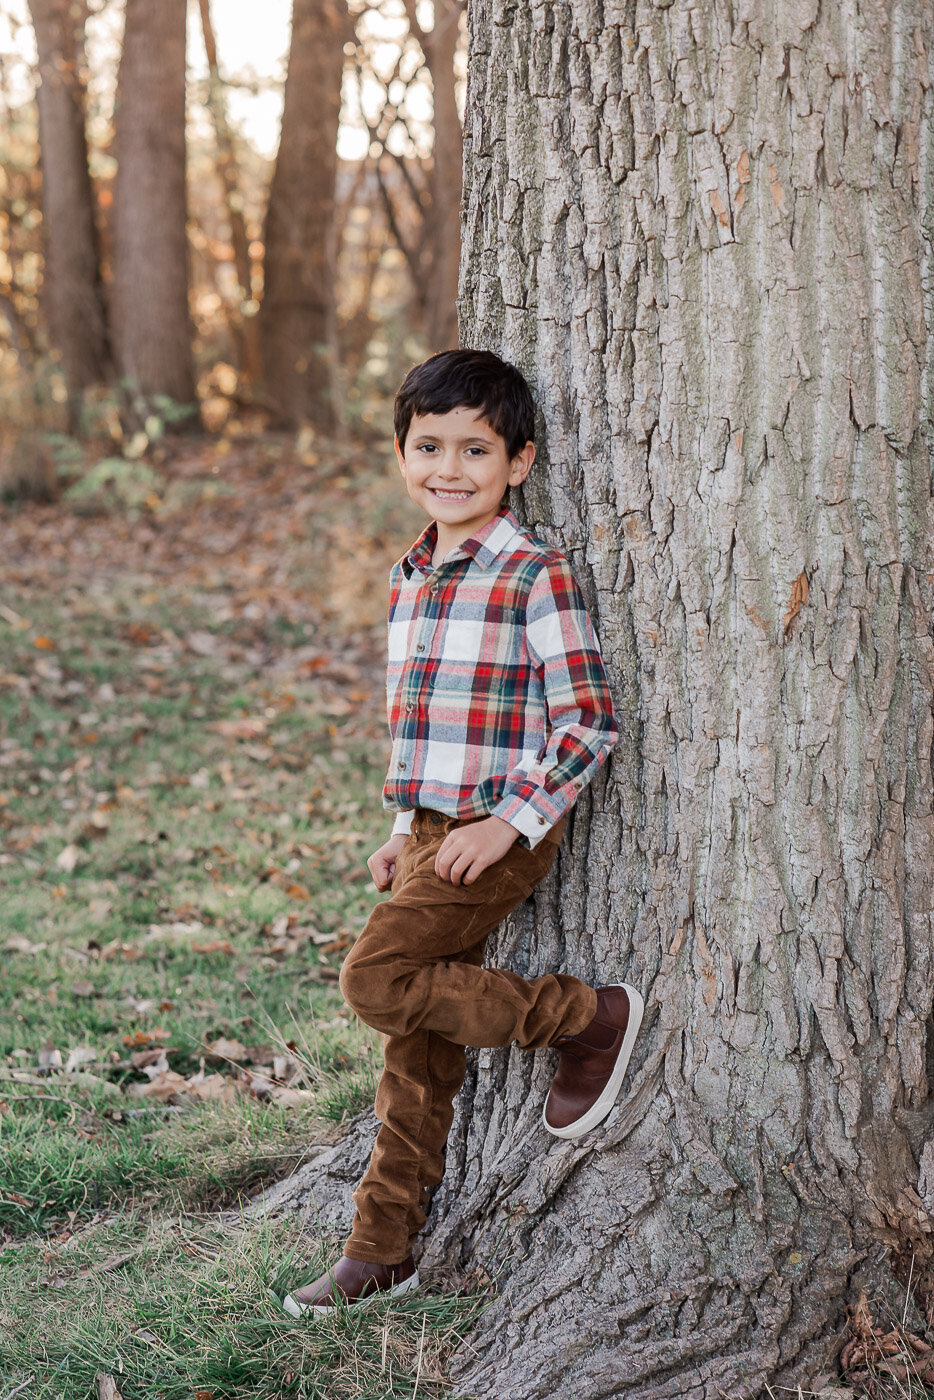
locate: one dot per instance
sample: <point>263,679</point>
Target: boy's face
<point>457,469</point>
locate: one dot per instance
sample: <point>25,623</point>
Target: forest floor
<point>192,744</point>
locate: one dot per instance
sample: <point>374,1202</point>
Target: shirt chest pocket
<point>462,641</point>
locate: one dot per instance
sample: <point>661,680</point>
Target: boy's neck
<point>450,537</point>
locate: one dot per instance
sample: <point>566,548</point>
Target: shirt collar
<point>484,547</point>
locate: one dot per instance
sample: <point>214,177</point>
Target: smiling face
<point>457,469</point>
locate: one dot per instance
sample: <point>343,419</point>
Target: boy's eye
<point>481,451</point>
<point>426,447</point>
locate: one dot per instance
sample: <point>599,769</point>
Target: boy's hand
<point>467,851</point>
<point>382,863</point>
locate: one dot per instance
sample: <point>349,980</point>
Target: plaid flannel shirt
<point>497,695</point>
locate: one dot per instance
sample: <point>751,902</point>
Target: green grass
<point>190,770</point>
<point>68,1157</point>
<point>198,1309</point>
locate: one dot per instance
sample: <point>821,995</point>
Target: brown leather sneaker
<point>351,1281</point>
<point>593,1064</point>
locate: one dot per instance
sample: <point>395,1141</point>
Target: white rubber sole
<point>296,1309</point>
<point>598,1111</point>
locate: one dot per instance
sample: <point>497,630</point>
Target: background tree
<point>241,306</point>
<point>297,327</point>
<point>72,285</point>
<point>420,193</point>
<point>706,233</point>
<point>150,316</point>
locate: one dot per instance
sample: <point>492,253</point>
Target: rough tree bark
<point>706,233</point>
<point>149,309</point>
<point>297,315</point>
<point>72,287</point>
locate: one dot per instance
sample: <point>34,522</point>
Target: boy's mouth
<point>450,495</point>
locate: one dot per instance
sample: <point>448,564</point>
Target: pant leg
<point>405,972</point>
<point>421,1077</point>
<point>416,973</point>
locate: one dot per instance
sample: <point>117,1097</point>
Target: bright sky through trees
<point>252,51</point>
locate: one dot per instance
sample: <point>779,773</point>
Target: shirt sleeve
<point>580,723</point>
<point>403,823</point>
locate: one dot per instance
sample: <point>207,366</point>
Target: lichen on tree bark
<point>705,232</point>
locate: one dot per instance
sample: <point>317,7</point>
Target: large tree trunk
<point>705,231</point>
<point>297,316</point>
<point>151,323</point>
<point>71,282</point>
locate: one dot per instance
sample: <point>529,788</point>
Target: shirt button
<point>409,708</point>
<point>541,820</point>
<point>434,589</point>
<point>420,647</point>
<point>402,767</point>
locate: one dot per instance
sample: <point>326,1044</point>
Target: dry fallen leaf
<point>202,643</point>
<point>93,830</point>
<point>213,1088</point>
<point>68,858</point>
<point>323,973</point>
<point>222,1049</point>
<point>49,1057</point>
<point>285,1069</point>
<point>217,945</point>
<point>143,1038</point>
<point>107,1265</point>
<point>19,944</point>
<point>239,728</point>
<point>296,891</point>
<point>336,945</point>
<point>290,1098</point>
<point>163,1088</point>
<point>15,1196</point>
<point>153,1063</point>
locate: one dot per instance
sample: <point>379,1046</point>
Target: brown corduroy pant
<point>415,974</point>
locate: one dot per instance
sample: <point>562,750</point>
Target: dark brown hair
<point>475,379</point>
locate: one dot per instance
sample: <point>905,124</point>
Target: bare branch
<point>414,26</point>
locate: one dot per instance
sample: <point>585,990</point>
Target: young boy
<point>500,714</point>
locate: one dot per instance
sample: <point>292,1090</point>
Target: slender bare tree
<point>421,196</point>
<point>297,315</point>
<point>72,287</point>
<point>240,310</point>
<point>442,212</point>
<point>150,318</point>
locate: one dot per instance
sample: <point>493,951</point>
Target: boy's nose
<point>448,468</point>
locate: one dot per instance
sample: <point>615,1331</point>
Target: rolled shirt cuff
<point>530,821</point>
<point>403,823</point>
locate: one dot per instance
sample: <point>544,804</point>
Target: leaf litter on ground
<point>191,749</point>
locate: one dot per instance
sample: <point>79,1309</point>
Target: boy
<point>500,714</point>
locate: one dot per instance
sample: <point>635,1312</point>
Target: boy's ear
<point>399,457</point>
<point>521,464</point>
